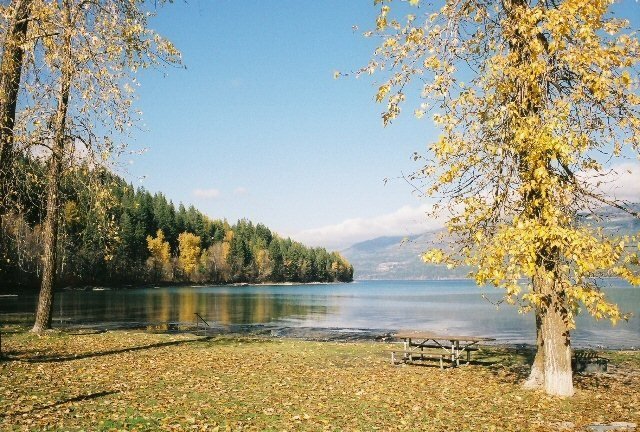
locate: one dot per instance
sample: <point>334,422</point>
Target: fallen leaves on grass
<point>138,381</point>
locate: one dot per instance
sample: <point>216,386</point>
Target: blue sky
<point>257,127</point>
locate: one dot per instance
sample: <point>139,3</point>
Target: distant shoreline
<point>28,289</point>
<point>284,332</point>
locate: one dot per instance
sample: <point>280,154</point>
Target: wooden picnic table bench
<point>414,343</point>
<point>411,355</point>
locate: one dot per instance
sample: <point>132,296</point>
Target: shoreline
<point>277,332</point>
<point>18,289</point>
<point>26,289</point>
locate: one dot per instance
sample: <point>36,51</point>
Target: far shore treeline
<point>114,234</point>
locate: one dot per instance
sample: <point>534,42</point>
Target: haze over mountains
<point>398,257</point>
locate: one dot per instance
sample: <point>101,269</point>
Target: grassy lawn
<point>141,381</point>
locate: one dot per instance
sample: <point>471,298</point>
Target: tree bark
<point>45,300</point>
<point>10,75</point>
<point>551,369</point>
<point>50,239</point>
<point>558,375</point>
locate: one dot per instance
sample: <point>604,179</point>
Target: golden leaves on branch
<point>549,95</point>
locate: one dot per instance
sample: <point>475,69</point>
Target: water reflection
<point>158,307</point>
<point>442,306</point>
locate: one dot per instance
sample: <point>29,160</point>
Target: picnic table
<point>447,347</point>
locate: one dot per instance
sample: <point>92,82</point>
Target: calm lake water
<point>443,306</point>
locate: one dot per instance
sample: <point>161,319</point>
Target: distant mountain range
<point>398,257</point>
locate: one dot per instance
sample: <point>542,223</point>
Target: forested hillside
<point>114,234</point>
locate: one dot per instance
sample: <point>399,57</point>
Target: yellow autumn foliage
<point>189,247</point>
<point>552,100</point>
<point>159,248</point>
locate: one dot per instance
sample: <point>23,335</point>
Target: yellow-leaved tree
<point>83,57</point>
<point>160,254</point>
<point>534,99</point>
<point>189,246</point>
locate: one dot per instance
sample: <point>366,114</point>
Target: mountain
<point>399,257</point>
<point>615,221</point>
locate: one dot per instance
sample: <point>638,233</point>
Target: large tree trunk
<point>551,369</point>
<point>558,375</point>
<point>45,300</point>
<point>10,74</point>
<point>50,239</point>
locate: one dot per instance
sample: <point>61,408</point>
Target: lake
<point>451,306</point>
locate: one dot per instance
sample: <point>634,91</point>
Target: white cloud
<point>622,183</point>
<point>207,193</point>
<point>406,220</point>
<point>240,191</point>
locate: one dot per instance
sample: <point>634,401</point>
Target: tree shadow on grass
<point>479,362</point>
<point>527,353</point>
<point>62,358</point>
<point>79,398</point>
<point>511,364</point>
<point>485,356</point>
